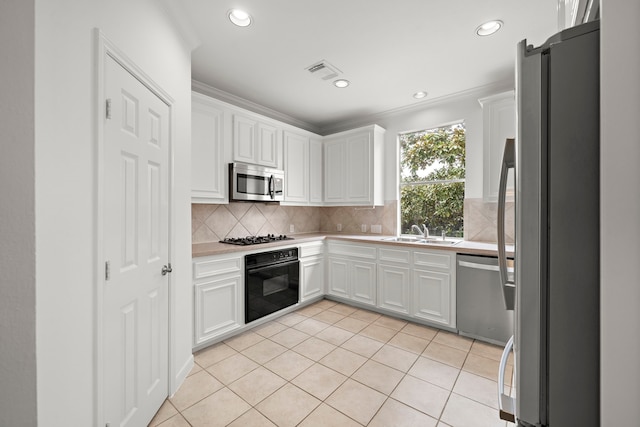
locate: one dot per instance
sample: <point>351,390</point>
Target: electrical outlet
<point>363,228</point>
<point>292,228</point>
<point>339,227</point>
<point>376,228</point>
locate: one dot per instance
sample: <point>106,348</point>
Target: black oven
<point>272,282</point>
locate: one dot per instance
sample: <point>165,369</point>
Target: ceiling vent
<point>323,70</point>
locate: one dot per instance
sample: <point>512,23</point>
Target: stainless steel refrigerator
<point>556,155</point>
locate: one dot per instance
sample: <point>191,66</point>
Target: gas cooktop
<point>255,240</point>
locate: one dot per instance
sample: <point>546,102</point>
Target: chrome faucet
<point>424,231</point>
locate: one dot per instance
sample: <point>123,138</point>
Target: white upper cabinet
<point>353,169</point>
<point>255,141</point>
<point>316,183</point>
<point>303,169</point>
<point>208,161</point>
<point>268,145</point>
<point>296,165</point>
<point>334,171</point>
<point>499,123</point>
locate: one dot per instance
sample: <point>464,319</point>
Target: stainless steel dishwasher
<point>480,308</point>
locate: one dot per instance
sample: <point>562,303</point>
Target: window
<point>432,171</point>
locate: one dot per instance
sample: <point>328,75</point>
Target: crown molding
<point>476,92</point>
<point>232,99</point>
<point>181,22</point>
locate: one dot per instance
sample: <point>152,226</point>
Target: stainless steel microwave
<point>255,183</point>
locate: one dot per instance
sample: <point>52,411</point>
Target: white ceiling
<point>388,49</point>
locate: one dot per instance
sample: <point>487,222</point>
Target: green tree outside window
<point>432,165</point>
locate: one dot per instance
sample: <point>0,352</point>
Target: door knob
<point>166,269</point>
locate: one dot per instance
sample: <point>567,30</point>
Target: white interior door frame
<point>105,48</point>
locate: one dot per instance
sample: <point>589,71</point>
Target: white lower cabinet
<point>363,282</point>
<point>431,296</point>
<point>312,275</point>
<point>339,277</point>
<point>352,272</point>
<point>218,296</point>
<point>415,283</point>
<point>434,297</point>
<point>312,278</point>
<point>393,288</point>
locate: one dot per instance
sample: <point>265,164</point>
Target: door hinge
<point>108,109</point>
<point>107,270</point>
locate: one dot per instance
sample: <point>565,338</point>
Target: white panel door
<point>136,232</point>
<point>267,145</point>
<point>358,171</point>
<point>431,296</point>
<point>312,277</point>
<point>339,277</point>
<point>208,169</point>
<point>363,282</point>
<point>296,162</point>
<point>315,172</point>
<point>334,171</point>
<point>244,139</point>
<point>393,288</point>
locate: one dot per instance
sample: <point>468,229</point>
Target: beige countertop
<point>464,247</point>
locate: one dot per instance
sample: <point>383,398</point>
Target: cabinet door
<point>363,282</point>
<point>296,160</point>
<point>315,172</point>
<point>393,288</point>
<point>208,167</point>
<point>244,139</point>
<point>499,123</point>
<point>217,307</point>
<point>267,151</point>
<point>339,277</point>
<point>358,178</point>
<point>312,274</point>
<point>432,296</point>
<point>334,171</point>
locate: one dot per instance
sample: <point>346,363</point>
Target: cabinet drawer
<point>432,259</point>
<point>367,252</point>
<point>394,255</point>
<point>207,268</point>
<point>311,249</point>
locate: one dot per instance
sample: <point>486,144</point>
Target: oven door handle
<point>270,266</point>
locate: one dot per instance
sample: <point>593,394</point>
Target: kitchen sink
<point>430,241</point>
<point>401,239</point>
<point>439,242</point>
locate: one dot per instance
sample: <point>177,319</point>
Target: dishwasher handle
<point>482,266</point>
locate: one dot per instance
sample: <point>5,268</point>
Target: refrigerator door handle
<point>508,162</point>
<point>507,404</point>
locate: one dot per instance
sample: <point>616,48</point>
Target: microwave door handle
<point>507,286</point>
<point>272,187</point>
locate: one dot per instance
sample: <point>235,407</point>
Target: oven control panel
<point>271,257</point>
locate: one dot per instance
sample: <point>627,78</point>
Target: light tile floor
<point>330,364</point>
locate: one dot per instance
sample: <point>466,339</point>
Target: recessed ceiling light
<point>489,28</point>
<point>240,17</point>
<point>341,83</point>
<point>420,95</point>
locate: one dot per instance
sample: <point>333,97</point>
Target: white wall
<point>65,182</point>
<point>17,216</point>
<point>620,210</point>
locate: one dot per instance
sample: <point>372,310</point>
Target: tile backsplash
<point>481,223</point>
<point>210,223</point>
